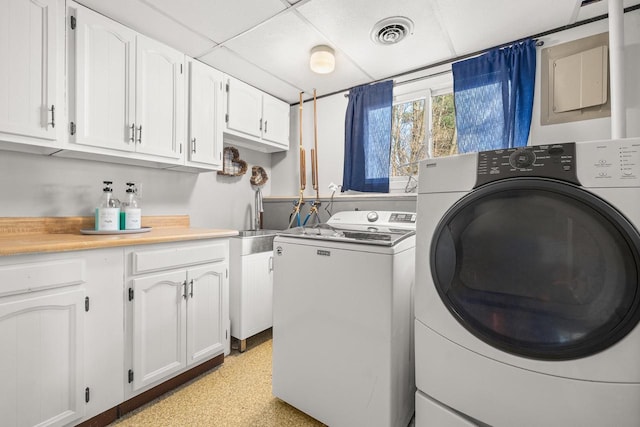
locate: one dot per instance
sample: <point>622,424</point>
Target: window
<point>443,126</point>
<point>423,126</point>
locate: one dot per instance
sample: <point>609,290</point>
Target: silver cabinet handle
<point>191,292</point>
<point>184,289</point>
<point>270,264</point>
<point>132,134</point>
<point>265,126</point>
<point>140,134</point>
<point>193,145</point>
<point>53,116</point>
<point>261,125</point>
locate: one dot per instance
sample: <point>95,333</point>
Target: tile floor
<point>236,394</point>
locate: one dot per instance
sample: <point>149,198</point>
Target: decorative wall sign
<point>232,165</point>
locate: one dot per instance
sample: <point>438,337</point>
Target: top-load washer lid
<point>382,228</point>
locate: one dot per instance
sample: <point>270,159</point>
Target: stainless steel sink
<point>256,241</point>
<point>258,233</point>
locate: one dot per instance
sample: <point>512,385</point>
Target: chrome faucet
<point>257,209</point>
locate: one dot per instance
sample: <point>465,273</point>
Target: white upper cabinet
<point>205,116</point>
<point>160,99</point>
<point>244,108</point>
<point>129,90</point>
<point>275,120</point>
<point>254,119</point>
<point>104,82</point>
<point>31,73</point>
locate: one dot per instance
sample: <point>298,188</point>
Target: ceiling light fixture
<point>323,60</point>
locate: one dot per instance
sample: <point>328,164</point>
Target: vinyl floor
<point>235,394</point>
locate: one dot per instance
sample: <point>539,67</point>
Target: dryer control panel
<point>555,161</point>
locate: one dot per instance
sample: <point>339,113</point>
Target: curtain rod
<point>441,73</point>
<point>449,61</point>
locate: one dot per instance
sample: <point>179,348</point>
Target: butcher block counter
<point>60,234</point>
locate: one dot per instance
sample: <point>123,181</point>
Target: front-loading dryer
<point>527,292</point>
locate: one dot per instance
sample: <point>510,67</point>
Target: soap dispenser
<point>108,210</point>
<point>131,212</point>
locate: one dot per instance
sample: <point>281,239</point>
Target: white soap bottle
<point>108,210</point>
<point>131,209</point>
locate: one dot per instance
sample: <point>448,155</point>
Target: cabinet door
<point>206,326</point>
<point>104,109</point>
<point>29,69</point>
<point>256,294</point>
<point>159,321</point>
<point>205,112</point>
<point>244,108</point>
<point>159,99</point>
<point>275,120</point>
<point>41,358</point>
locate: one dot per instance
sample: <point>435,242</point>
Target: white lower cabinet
<point>41,361</point>
<point>61,334</point>
<point>178,309</point>
<point>83,331</point>
<point>251,293</point>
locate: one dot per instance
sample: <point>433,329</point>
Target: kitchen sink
<point>256,241</point>
<point>258,233</point>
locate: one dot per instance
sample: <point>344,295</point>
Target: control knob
<point>372,216</point>
<point>521,159</point>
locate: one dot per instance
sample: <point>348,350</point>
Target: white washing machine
<point>527,287</point>
<point>342,319</point>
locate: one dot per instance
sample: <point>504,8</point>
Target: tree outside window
<point>412,121</point>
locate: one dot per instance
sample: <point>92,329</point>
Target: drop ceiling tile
<point>228,62</point>
<point>281,47</point>
<point>477,25</point>
<point>150,22</point>
<point>219,20</point>
<point>600,8</point>
<point>350,23</point>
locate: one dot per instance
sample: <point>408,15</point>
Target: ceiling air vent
<point>391,30</point>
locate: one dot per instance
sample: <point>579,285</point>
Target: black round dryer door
<point>538,268</point>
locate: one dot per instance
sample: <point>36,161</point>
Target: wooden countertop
<point>60,234</point>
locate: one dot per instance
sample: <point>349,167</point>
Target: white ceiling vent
<point>391,30</point>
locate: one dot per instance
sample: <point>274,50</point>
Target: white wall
<point>331,115</point>
<point>286,172</point>
<point>34,185</point>
<point>596,128</point>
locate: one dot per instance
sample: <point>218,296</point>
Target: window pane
<point>443,126</point>
<point>407,137</point>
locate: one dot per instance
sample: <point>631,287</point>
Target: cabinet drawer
<point>164,258</point>
<point>34,276</point>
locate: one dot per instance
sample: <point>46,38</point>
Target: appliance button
<point>521,159</point>
<point>372,216</point>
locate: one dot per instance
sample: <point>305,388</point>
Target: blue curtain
<point>367,142</point>
<point>493,96</point>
